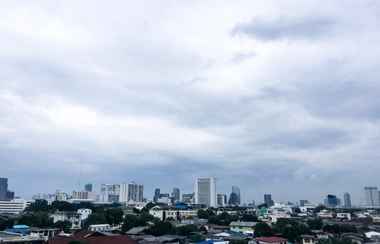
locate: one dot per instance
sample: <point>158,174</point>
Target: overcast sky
<point>273,96</point>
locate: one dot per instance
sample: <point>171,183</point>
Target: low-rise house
<point>8,237</point>
<point>73,217</point>
<point>100,228</point>
<point>243,227</point>
<point>172,213</point>
<point>84,213</point>
<point>344,216</point>
<point>325,214</point>
<point>271,240</point>
<point>89,237</point>
<point>308,239</point>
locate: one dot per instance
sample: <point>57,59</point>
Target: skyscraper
<point>176,195</point>
<point>3,189</point>
<point>157,193</point>
<point>131,192</point>
<point>332,201</point>
<point>88,187</point>
<point>221,200</point>
<point>110,192</point>
<point>268,200</point>
<point>234,196</point>
<point>205,191</point>
<point>372,196</point>
<point>347,200</point>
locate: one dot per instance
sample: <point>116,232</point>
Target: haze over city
<point>275,97</point>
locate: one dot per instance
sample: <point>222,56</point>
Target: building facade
<point>205,191</point>
<point>347,200</point>
<point>176,195</point>
<point>131,192</point>
<point>372,196</point>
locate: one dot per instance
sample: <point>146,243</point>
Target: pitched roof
<point>272,239</point>
<point>93,238</point>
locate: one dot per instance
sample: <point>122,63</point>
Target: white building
<point>15,206</point>
<point>100,228</point>
<point>73,217</point>
<point>109,192</point>
<point>205,191</point>
<point>176,214</point>
<point>131,192</point>
<point>84,213</point>
<point>372,196</point>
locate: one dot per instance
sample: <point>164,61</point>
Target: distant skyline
<point>272,96</point>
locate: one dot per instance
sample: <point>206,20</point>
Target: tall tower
<point>347,200</point>
<point>205,191</point>
<point>372,196</point>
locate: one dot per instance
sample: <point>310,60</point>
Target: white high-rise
<point>205,191</point>
<point>372,196</point>
<point>131,192</point>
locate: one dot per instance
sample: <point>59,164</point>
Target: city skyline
<point>272,96</point>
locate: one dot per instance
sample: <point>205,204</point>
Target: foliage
<point>196,238</point>
<point>64,226</point>
<point>186,230</point>
<point>96,218</point>
<point>291,229</point>
<point>161,228</point>
<point>114,216</point>
<point>205,214</point>
<point>249,218</point>
<point>222,219</point>
<point>263,229</point>
<point>315,224</point>
<point>238,242</point>
<point>38,206</point>
<point>6,223</point>
<point>339,229</point>
<point>131,220</point>
<point>39,219</point>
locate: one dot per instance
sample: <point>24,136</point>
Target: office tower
<point>176,195</point>
<point>88,187</point>
<point>205,191</point>
<point>3,189</point>
<point>188,198</point>
<point>268,200</point>
<point>372,198</point>
<point>221,200</point>
<point>303,203</point>
<point>131,192</point>
<point>110,192</point>
<point>234,196</point>
<point>157,193</point>
<point>347,200</point>
<point>332,201</point>
<point>60,196</point>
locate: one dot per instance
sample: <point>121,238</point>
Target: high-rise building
<point>268,200</point>
<point>303,202</point>
<point>205,191</point>
<point>234,196</point>
<point>332,201</point>
<point>372,196</point>
<point>157,193</point>
<point>3,189</point>
<point>88,187</point>
<point>176,195</point>
<point>131,192</point>
<point>221,200</point>
<point>188,198</point>
<point>110,193</point>
<point>347,200</point>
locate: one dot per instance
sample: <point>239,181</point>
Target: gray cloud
<point>171,96</point>
<point>309,27</point>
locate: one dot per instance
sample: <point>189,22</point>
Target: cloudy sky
<point>272,96</point>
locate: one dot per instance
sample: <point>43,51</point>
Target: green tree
<point>263,229</point>
<point>39,205</point>
<point>315,224</point>
<point>205,214</point>
<point>161,228</point>
<point>186,230</point>
<point>64,226</point>
<point>114,216</point>
<point>6,222</point>
<point>249,218</point>
<point>96,218</point>
<point>39,219</point>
